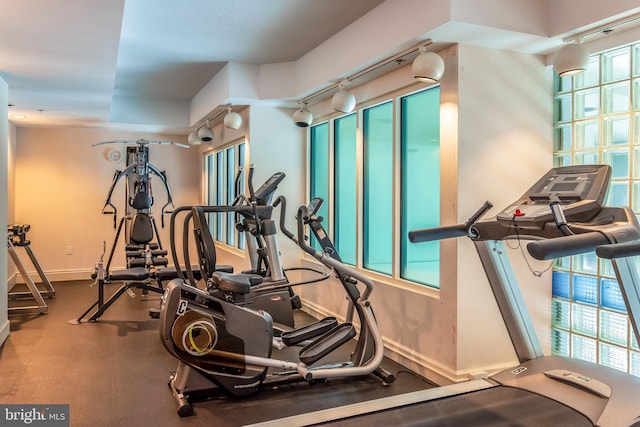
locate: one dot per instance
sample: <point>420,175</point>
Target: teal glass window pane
<point>584,348</point>
<point>562,138</point>
<point>584,320</point>
<point>219,217</point>
<point>635,49</point>
<point>616,65</point>
<point>586,263</point>
<point>420,184</point>
<point>611,296</point>
<point>231,163</point>
<point>615,130</point>
<point>345,206</point>
<point>615,98</point>
<point>561,84</point>
<point>591,76</point>
<point>586,158</point>
<point>319,169</point>
<point>587,104</point>
<point>587,134</point>
<point>560,284</point>
<point>614,357</point>
<point>634,369</point>
<point>585,289</point>
<point>619,162</point>
<point>560,314</point>
<point>635,95</point>
<point>561,160</point>
<point>377,245</point>
<point>636,129</point>
<point>618,194</point>
<point>242,184</point>
<point>613,327</point>
<point>560,342</point>
<point>562,108</point>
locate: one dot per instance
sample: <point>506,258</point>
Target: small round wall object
<point>114,155</point>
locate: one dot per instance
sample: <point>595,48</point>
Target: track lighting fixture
<point>232,119</point>
<point>193,138</point>
<point>205,133</point>
<point>428,66</point>
<point>343,100</point>
<point>571,59</point>
<point>302,117</point>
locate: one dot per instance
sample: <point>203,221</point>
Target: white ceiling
<point>70,58</point>
<point>89,62</point>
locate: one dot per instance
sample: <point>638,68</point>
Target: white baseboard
<point>416,362</point>
<point>11,281</point>
<point>4,331</point>
<point>57,276</point>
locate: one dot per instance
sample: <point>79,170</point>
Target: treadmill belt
<point>495,407</point>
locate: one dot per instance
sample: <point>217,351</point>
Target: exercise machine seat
<point>137,274</point>
<point>239,283</point>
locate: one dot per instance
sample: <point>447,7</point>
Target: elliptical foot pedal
<point>309,331</point>
<point>327,343</point>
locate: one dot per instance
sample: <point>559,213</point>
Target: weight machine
<point>146,259</point>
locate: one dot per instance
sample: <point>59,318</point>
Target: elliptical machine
<point>223,345</point>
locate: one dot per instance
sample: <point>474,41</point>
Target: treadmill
<point>562,214</point>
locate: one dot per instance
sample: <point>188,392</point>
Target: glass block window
<point>597,120</point>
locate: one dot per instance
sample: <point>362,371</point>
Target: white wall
<point>4,198</point>
<point>11,195</point>
<point>504,146</point>
<point>61,185</point>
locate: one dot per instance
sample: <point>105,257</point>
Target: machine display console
<point>266,190</point>
<point>580,190</point>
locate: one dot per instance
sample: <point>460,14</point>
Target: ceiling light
<point>428,66</point>
<point>18,116</point>
<point>193,138</point>
<point>343,100</point>
<point>205,133</point>
<point>571,59</point>
<point>302,117</point>
<point>232,120</point>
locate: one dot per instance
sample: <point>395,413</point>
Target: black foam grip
<point>437,233</point>
<point>566,246</point>
<point>619,250</point>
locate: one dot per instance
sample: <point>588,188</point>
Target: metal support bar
<point>510,302</point>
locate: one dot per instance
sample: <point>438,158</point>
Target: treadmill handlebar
<point>450,231</point>
<point>560,247</point>
<point>619,250</point>
<point>437,233</point>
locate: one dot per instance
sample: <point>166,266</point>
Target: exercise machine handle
<point>619,250</point>
<point>560,247</point>
<point>449,231</point>
<point>283,214</point>
<point>437,233</point>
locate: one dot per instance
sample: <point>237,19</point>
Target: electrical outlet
<point>69,250</point>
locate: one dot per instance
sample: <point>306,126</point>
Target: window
<point>597,120</point>
<point>222,167</point>
<point>396,162</point>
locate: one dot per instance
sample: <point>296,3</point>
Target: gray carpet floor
<point>114,372</point>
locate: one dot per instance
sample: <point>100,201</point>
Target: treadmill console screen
<point>579,189</point>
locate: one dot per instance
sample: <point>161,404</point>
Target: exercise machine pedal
<point>309,331</point>
<point>327,343</point>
